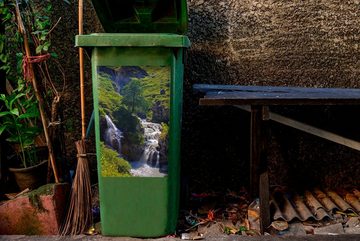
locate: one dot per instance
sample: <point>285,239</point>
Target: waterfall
<point>149,162</point>
<point>151,154</point>
<point>113,135</point>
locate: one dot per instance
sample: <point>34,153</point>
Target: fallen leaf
<point>253,214</point>
<point>357,193</point>
<point>280,225</point>
<point>247,224</point>
<point>253,232</point>
<point>210,215</point>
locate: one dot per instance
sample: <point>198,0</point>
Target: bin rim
<point>150,16</point>
<point>132,40</point>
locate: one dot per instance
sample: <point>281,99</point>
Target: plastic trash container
<point>137,89</point>
<point>142,16</point>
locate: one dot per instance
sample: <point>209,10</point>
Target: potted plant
<point>40,81</point>
<point>18,117</point>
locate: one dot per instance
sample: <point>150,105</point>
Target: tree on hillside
<point>133,97</point>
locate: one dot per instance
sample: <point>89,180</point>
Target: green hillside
<point>157,81</point>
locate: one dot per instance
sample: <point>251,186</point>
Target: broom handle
<point>81,69</point>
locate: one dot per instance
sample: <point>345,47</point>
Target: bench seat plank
<point>269,95</point>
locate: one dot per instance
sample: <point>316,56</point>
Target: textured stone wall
<point>63,41</point>
<point>293,43</point>
<point>313,43</point>
<point>280,43</point>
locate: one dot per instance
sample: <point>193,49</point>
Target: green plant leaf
<point>2,97</point>
<point>28,114</point>
<point>3,58</point>
<point>4,113</point>
<point>43,37</point>
<point>15,111</point>
<point>32,131</point>
<point>39,49</point>
<point>36,32</point>
<point>28,142</point>
<point>15,98</point>
<point>6,68</point>
<point>13,138</point>
<point>2,128</point>
<point>46,46</point>
<point>54,55</point>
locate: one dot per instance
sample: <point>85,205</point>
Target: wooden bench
<point>256,100</point>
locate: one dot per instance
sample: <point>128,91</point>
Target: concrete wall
<point>280,43</point>
<point>298,43</point>
<point>313,43</point>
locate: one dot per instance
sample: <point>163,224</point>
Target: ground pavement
<point>210,238</point>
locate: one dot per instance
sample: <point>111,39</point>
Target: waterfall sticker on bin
<point>134,109</point>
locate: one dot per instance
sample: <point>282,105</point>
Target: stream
<point>148,165</point>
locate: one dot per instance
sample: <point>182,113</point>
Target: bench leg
<point>264,196</point>
<point>256,148</point>
<point>259,178</point>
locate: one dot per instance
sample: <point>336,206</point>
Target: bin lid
<point>131,40</point>
<point>142,16</point>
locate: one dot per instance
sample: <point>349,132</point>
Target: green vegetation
<point>109,99</point>
<point>164,131</point>
<point>139,95</point>
<point>35,196</point>
<point>19,118</point>
<point>110,103</point>
<point>129,125</point>
<point>147,97</point>
<point>133,97</point>
<point>17,125</point>
<point>157,85</point>
<point>111,164</point>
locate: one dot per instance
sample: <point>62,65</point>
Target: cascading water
<point>152,132</point>
<point>148,165</point>
<point>112,135</point>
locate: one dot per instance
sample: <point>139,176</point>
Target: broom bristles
<point>79,215</point>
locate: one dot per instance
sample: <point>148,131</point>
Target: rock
<point>160,113</point>
<point>354,230</point>
<point>131,151</point>
<point>352,226</point>
<point>280,225</point>
<point>296,229</point>
<point>339,218</point>
<point>254,215</point>
<point>192,236</point>
<point>211,230</point>
<point>353,222</point>
<point>330,229</point>
<point>309,229</point>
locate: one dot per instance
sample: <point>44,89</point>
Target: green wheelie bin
<point>137,91</point>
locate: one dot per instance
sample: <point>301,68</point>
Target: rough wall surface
<point>63,41</point>
<point>312,43</point>
<point>287,43</point>
<point>281,43</point>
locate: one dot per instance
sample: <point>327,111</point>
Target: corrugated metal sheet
<point>313,205</point>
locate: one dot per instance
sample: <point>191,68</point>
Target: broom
<point>79,216</point>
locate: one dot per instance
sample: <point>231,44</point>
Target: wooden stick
<point>264,197</point>
<point>315,131</point>
<point>37,95</point>
<point>81,69</point>
<point>327,135</point>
